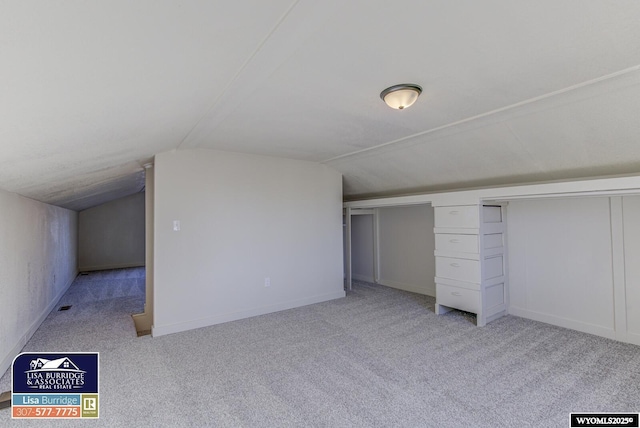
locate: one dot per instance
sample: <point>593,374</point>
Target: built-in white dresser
<point>470,260</point>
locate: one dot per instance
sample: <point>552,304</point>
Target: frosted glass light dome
<point>401,96</point>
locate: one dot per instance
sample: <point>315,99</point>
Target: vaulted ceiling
<point>513,91</point>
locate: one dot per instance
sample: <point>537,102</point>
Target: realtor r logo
<point>90,403</point>
<point>89,406</point>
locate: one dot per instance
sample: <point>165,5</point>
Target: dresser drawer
<point>459,269</point>
<point>493,240</point>
<point>457,297</point>
<point>460,243</point>
<point>464,216</point>
<point>493,267</point>
<point>491,214</point>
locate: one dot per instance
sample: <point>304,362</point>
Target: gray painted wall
<point>38,250</point>
<point>112,235</point>
<point>242,219</point>
<point>560,262</point>
<point>362,265</point>
<point>405,245</point>
<point>406,248</point>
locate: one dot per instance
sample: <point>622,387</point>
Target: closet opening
<point>392,246</point>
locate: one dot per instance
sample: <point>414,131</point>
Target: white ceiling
<point>513,91</point>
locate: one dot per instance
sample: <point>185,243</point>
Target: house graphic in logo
<point>60,364</point>
<point>60,373</point>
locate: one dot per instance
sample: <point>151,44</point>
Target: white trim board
<point>633,338</point>
<point>609,333</point>
<point>588,187</point>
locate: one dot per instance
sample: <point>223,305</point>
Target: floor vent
<point>64,308</point>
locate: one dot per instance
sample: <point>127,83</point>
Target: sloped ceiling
<point>513,91</point>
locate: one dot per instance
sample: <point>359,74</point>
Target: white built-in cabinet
<point>569,255</point>
<point>471,260</point>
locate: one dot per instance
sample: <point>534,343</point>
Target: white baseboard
<point>564,322</point>
<point>363,278</point>
<point>633,338</point>
<point>108,267</point>
<point>419,289</point>
<point>234,316</point>
<point>8,358</point>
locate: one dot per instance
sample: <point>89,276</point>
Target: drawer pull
<point>454,241</point>
<point>455,264</point>
<point>454,212</point>
<point>456,293</point>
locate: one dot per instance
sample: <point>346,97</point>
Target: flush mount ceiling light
<point>401,96</point>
